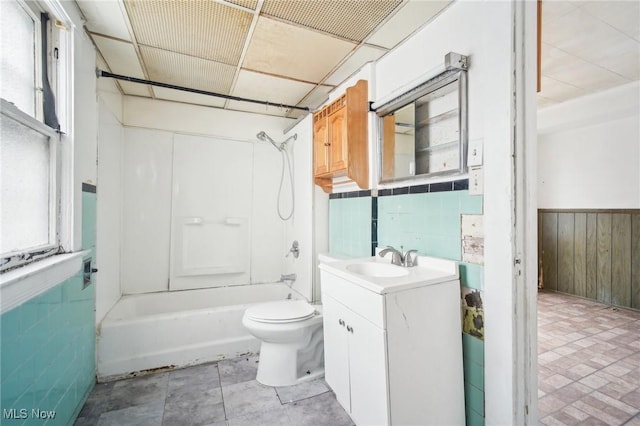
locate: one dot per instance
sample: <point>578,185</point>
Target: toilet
<point>292,348</point>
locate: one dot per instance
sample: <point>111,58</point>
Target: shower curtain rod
<point>101,73</point>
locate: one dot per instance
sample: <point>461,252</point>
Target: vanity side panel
<point>424,347</point>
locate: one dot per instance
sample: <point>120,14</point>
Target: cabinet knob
<point>327,144</point>
<point>350,329</point>
<point>341,322</point>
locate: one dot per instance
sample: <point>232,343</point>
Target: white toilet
<point>292,348</point>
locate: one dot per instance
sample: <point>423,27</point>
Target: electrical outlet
<point>476,181</point>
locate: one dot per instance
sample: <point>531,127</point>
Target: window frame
<point>60,41</point>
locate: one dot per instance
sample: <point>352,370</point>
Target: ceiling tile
<point>408,19</point>
<point>555,9</point>
<point>570,69</point>
<point>622,15</point>
<point>121,56</point>
<point>582,35</point>
<point>315,98</point>
<point>361,56</point>
<point>293,52</point>
<point>249,4</point>
<point>263,87</point>
<point>626,65</point>
<point>201,28</point>
<point>266,87</point>
<point>351,20</point>
<point>189,98</point>
<point>105,17</point>
<point>135,89</point>
<point>558,91</point>
<point>187,71</point>
<point>543,102</point>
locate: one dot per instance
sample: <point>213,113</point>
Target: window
<point>29,148</point>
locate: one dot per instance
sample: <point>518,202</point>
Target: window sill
<point>19,285</point>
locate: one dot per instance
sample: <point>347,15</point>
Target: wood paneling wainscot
<point>592,253</point>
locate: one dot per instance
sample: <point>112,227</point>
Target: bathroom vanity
<point>393,345</point>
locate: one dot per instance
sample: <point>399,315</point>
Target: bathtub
<point>152,331</point>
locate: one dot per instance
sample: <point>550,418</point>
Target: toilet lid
<point>281,311</point>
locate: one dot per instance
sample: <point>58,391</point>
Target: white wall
<point>589,151</point>
<point>109,209</point>
<point>84,119</point>
<point>483,31</point>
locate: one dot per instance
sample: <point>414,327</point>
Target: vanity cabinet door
<point>368,372</point>
<point>336,350</point>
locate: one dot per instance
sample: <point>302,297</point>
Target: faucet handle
<point>410,261</point>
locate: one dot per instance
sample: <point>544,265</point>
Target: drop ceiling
<point>588,47</point>
<point>281,51</point>
<point>295,52</point>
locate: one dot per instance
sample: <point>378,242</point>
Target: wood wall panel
<point>580,255</point>
<point>621,259</point>
<point>603,281</point>
<point>566,259</point>
<point>550,250</point>
<point>593,254</point>
<point>635,261</point>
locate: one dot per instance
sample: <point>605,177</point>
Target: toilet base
<point>288,364</point>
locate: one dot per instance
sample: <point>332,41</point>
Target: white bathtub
<point>175,329</point>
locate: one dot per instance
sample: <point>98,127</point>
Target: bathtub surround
<point>143,332</point>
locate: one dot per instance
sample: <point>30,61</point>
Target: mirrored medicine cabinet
<point>423,132</point>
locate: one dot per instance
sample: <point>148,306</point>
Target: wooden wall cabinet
<point>340,144</point>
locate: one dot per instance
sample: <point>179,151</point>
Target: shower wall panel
<point>146,210</point>
<point>211,210</point>
<point>199,212</point>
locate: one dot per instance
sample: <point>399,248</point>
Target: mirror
<point>424,132</point>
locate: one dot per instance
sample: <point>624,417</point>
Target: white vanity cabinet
<point>393,353</point>
<point>355,362</point>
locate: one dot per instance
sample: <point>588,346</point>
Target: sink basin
<point>379,270</point>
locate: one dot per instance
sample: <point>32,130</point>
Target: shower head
<point>265,138</point>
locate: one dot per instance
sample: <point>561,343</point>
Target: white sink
<point>380,276</point>
<point>379,270</point>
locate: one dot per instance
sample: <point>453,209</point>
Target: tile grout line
<point>166,395</point>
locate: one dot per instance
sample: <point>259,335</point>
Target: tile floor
<point>588,372</point>
<point>216,394</point>
<point>588,362</point>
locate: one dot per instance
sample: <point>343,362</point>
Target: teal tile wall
<point>350,226</point>
<point>48,355</point>
<point>430,223</point>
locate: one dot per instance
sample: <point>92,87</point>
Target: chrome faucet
<point>396,256</point>
<point>400,259</point>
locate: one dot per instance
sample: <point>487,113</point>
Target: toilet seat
<point>284,311</point>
